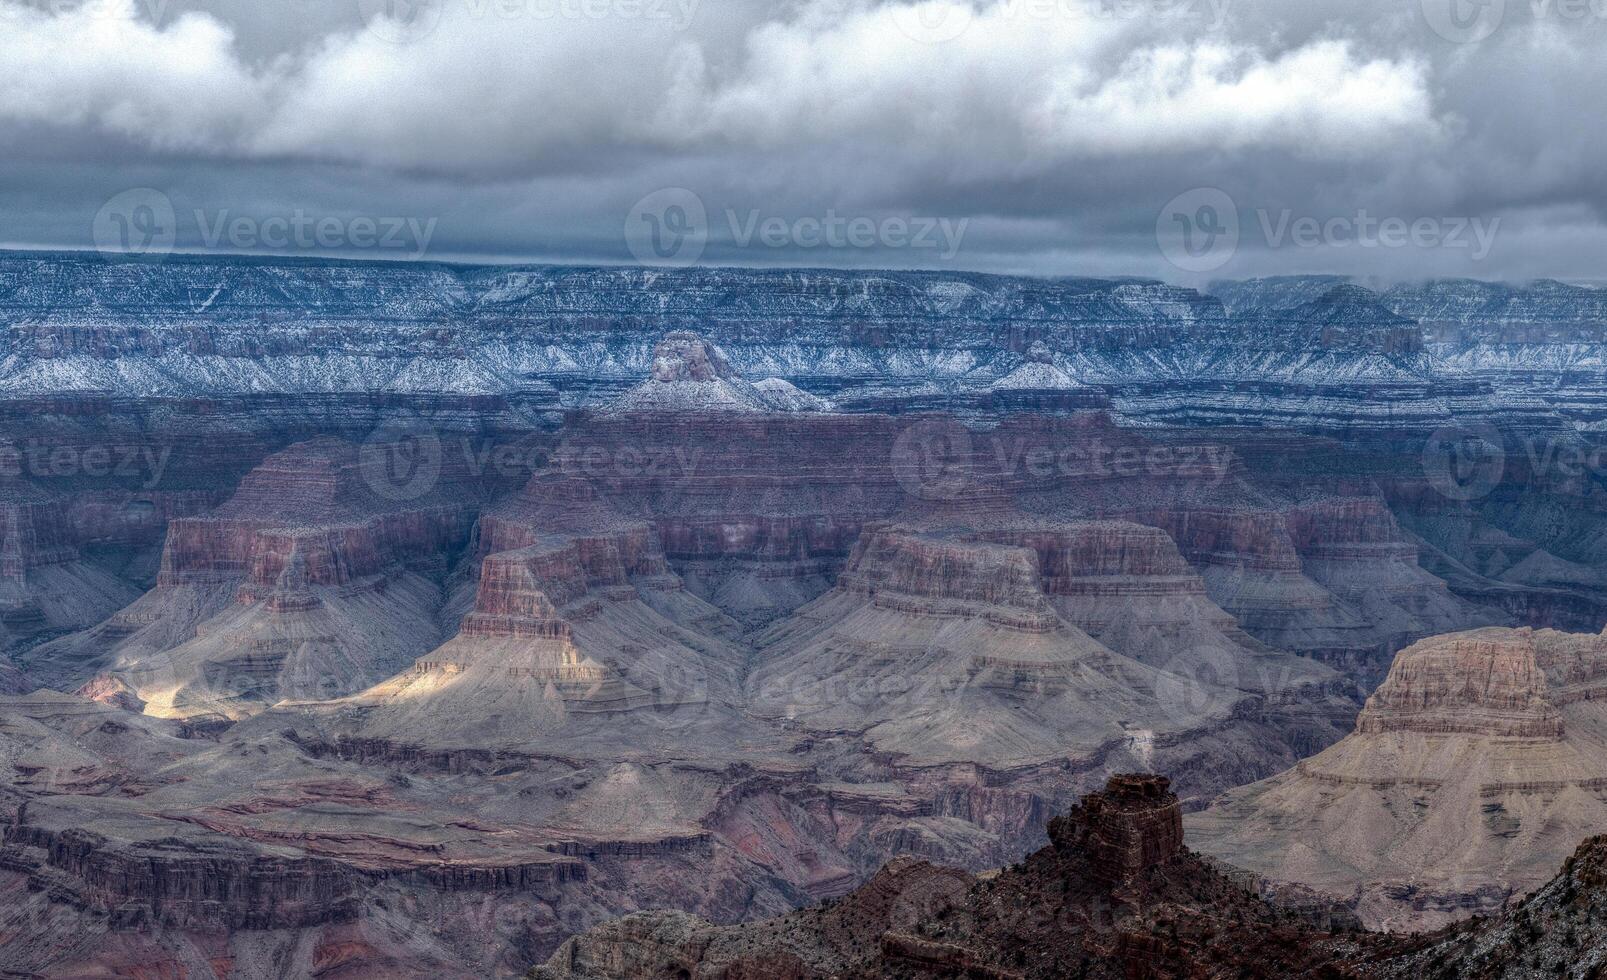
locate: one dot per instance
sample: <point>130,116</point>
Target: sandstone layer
<point>1473,771</point>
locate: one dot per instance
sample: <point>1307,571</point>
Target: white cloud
<point>1059,129</point>
<point>96,65</point>
<point>491,93</point>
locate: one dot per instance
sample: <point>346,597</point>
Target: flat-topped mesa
<point>1473,770</point>
<point>1348,528</point>
<point>1104,558</point>
<point>1487,682</point>
<point>322,502</point>
<point>1134,825</point>
<point>908,571</point>
<point>553,507</point>
<point>523,593</point>
<point>1247,539</point>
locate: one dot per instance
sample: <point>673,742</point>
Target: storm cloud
<point>1185,139</point>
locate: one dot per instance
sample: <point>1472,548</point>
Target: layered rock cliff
<point>309,582</point>
<point>1472,772</point>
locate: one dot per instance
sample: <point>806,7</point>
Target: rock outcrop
<point>309,582</point>
<point>1472,772</point>
<point>1135,825</point>
<point>1115,895</point>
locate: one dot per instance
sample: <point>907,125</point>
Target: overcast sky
<point>1185,139</point>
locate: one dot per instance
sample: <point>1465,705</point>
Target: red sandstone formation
<point>1136,824</point>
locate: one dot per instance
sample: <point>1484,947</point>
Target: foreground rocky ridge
<point>1115,894</point>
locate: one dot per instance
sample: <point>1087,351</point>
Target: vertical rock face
<point>46,586</point>
<point>314,580</point>
<point>328,503</point>
<point>1003,581</point>
<point>928,639</point>
<point>1135,825</point>
<point>1488,684</point>
<point>1473,770</point>
<point>575,619</point>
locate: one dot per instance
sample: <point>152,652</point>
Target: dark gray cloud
<point>1189,139</point>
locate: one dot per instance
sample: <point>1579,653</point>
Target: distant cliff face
<point>1292,352</point>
